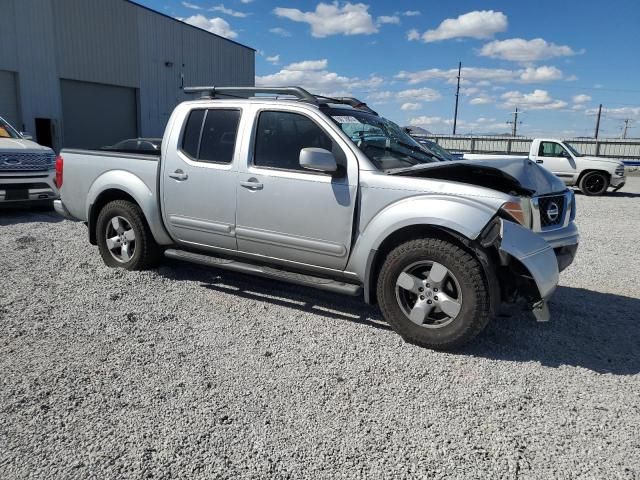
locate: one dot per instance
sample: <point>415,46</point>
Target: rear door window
<point>210,135</point>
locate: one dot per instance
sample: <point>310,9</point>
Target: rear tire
<point>594,184</point>
<point>124,238</point>
<point>437,277</point>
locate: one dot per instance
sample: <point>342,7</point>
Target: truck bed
<point>85,170</point>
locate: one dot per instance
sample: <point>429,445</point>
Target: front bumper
<point>25,187</point>
<point>564,242</point>
<point>535,266</point>
<point>618,182</point>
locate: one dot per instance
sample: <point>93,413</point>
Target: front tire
<point>124,238</point>
<point>434,294</point>
<point>594,184</point>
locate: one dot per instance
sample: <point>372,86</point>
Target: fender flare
<point>133,186</point>
<point>463,216</point>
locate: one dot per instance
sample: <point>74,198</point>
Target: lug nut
<point>421,297</point>
<point>435,289</point>
<point>421,289</point>
<point>435,298</point>
<point>429,302</point>
<point>428,285</point>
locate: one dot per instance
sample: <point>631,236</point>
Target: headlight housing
<point>620,170</point>
<point>518,211</point>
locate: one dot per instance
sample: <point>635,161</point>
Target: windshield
<point>575,152</point>
<point>7,131</point>
<point>437,149</point>
<point>386,144</point>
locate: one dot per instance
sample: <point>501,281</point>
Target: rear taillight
<point>59,168</point>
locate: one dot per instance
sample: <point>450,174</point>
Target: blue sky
<point>554,60</point>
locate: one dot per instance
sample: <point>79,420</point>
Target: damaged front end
<point>527,268</point>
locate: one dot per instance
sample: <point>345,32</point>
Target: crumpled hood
<point>509,175</point>
<point>21,145</point>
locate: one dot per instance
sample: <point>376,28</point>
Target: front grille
<point>552,210</point>
<point>26,162</point>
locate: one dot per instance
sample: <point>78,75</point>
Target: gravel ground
<point>184,372</point>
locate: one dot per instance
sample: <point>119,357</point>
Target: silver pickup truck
<point>324,192</point>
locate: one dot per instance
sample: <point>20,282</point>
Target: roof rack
<point>297,92</point>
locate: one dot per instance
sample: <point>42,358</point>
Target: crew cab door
<point>555,157</point>
<point>286,212</point>
<point>198,179</point>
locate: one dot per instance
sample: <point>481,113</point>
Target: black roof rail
<point>297,92</point>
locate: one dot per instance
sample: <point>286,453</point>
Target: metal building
<point>88,73</point>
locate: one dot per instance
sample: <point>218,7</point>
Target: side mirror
<point>26,136</point>
<point>318,159</point>
<point>565,154</point>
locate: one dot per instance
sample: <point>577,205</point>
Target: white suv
<point>27,170</point>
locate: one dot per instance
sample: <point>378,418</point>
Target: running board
<point>266,272</point>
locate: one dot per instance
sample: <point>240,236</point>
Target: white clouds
<point>333,19</point>
<point>520,50</point>
<point>410,106</point>
<point>216,25</point>
<point>484,76</point>
<point>315,76</point>
<point>280,31</point>
<point>617,113</point>
<point>192,6</point>
<point>308,65</point>
<point>419,94</point>
<point>481,100</point>
<point>536,100</point>
<point>274,59</point>
<point>227,11</point>
<point>386,19</point>
<point>424,121</point>
<point>476,24</point>
<point>410,13</point>
<point>413,34</point>
<point>582,98</point>
<point>540,74</point>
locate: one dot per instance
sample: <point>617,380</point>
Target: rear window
<point>210,135</point>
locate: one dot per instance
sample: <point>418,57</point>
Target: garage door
<point>9,99</point>
<point>96,115</point>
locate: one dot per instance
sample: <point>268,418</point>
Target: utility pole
<point>514,123</point>
<point>455,115</point>
<point>598,121</point>
<point>626,127</point>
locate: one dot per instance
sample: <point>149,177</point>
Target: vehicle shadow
<point>279,293</point>
<point>12,215</point>
<point>623,194</point>
<point>591,330</point>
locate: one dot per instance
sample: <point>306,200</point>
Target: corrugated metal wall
<point>111,42</point>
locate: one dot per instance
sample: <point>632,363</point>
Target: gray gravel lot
<point>184,372</point>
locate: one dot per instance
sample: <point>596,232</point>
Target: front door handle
<point>539,161</point>
<point>179,175</point>
<point>252,184</point>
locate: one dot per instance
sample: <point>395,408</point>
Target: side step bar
<point>266,272</point>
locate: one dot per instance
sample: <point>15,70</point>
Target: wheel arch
<point>591,170</point>
<point>121,185</point>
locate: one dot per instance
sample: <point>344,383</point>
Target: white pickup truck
<point>592,175</point>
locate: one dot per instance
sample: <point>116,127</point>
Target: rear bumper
<point>35,186</point>
<point>61,210</point>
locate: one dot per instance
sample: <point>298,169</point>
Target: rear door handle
<point>252,184</point>
<point>179,175</point>
<point>539,161</point>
